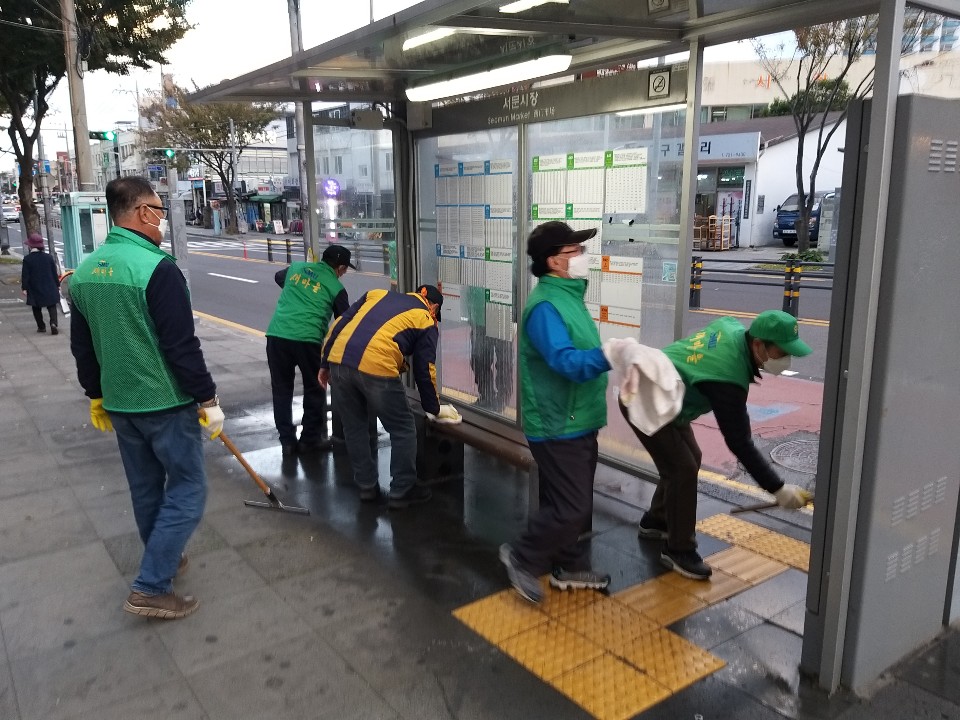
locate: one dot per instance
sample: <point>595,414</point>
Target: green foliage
<point>112,35</point>
<point>811,256</point>
<point>822,96</point>
<point>203,131</point>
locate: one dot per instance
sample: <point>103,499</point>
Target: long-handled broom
<point>274,502</point>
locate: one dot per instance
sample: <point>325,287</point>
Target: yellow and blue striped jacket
<point>378,330</point>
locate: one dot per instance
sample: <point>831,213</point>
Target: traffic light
<point>169,152</point>
<point>109,135</point>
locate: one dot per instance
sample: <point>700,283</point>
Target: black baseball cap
<point>547,237</point>
<point>432,294</point>
<point>337,255</point>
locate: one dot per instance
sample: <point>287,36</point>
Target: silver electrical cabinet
<point>903,517</point>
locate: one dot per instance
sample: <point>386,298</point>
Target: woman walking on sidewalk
<point>40,283</point>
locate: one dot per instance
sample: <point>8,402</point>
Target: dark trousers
<point>677,456</point>
<point>38,316</point>
<point>566,471</point>
<point>284,357</point>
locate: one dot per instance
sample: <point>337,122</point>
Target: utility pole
<point>178,222</point>
<point>307,215</point>
<point>78,102</point>
<point>45,189</point>
<point>233,174</point>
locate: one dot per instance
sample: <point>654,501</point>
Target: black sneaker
<point>370,494</point>
<point>417,495</point>
<point>649,530</point>
<point>320,445</point>
<point>527,586</point>
<point>53,330</point>
<point>579,580</point>
<point>288,447</point>
<point>688,563</point>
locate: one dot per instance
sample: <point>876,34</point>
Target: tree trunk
<point>31,218</point>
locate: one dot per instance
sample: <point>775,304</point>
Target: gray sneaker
<point>580,580</point>
<point>526,585</point>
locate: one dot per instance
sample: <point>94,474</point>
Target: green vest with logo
<point>306,302</point>
<point>553,406</point>
<point>109,288</point>
<point>718,353</point>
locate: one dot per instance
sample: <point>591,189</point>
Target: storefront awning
<point>264,198</point>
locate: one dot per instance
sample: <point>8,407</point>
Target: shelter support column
<point>688,195</point>
<point>841,458</point>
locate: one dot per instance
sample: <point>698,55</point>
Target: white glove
<point>448,415</point>
<point>212,420</point>
<point>792,497</point>
<point>613,350</point>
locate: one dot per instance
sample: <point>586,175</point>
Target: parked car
<point>787,214</point>
<point>11,213</point>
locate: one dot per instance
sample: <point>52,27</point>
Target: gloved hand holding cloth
<point>448,415</point>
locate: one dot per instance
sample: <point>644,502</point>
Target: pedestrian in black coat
<point>40,283</point>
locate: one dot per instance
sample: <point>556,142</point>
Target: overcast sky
<point>221,46</point>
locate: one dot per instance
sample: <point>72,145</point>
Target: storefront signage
<point>739,147</point>
<point>747,187</point>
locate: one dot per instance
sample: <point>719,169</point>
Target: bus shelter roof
<point>378,62</point>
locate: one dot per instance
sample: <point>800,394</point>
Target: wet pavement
<point>348,612</point>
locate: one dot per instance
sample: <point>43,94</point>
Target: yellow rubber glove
<point>212,420</point>
<point>99,417</point>
<point>448,415</point>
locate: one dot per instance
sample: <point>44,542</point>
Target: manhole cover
<point>799,455</point>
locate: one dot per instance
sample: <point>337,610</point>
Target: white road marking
<point>231,277</point>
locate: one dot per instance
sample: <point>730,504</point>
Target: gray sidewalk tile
<point>41,522</point>
<point>9,710</point>
<point>291,680</point>
<point>111,515</point>
<point>60,620</point>
<point>775,595</point>
<point>230,628</point>
<point>97,671</point>
<point>217,574</point>
<point>75,568</point>
<point>297,551</point>
<point>239,524</point>
<point>170,700</point>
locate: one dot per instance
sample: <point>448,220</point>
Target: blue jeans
<point>358,396</point>
<point>162,456</point>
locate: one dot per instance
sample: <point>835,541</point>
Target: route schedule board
<point>582,189</point>
<point>475,244</point>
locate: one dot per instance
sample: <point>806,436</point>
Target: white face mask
<point>162,226</point>
<point>776,366</point>
<point>579,267</point>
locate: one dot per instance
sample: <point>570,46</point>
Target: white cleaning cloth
<point>650,386</point>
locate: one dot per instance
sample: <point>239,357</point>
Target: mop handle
<point>236,453</point>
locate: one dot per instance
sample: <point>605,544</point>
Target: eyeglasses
<point>165,209</point>
<point>581,249</point>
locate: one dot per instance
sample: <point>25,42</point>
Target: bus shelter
<point>498,117</point>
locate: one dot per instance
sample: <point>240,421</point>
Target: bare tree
<point>813,78</point>
<point>202,132</point>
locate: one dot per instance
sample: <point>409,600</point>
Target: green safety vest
<point>306,302</point>
<point>553,406</point>
<point>109,288</point>
<point>718,353</point>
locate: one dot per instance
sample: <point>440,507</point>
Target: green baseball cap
<point>779,328</point>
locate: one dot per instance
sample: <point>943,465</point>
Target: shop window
<point>730,177</point>
<point>338,165</point>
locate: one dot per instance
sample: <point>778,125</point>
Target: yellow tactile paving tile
<point>719,587</point>
<point>668,658</point>
<point>794,553</point>
<point>500,616</point>
<point>661,602</point>
<point>745,564</point>
<point>550,650</point>
<point>609,689</point>
<point>607,621</point>
<point>730,529</point>
<point>559,602</point>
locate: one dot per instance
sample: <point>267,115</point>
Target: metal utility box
<point>85,224</point>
